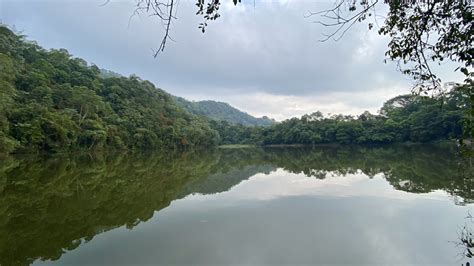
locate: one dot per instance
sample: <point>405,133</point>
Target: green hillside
<point>50,100</point>
<point>221,111</point>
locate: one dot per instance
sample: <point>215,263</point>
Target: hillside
<point>405,118</point>
<point>221,111</point>
<point>52,101</point>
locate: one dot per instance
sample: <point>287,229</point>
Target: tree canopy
<point>52,101</point>
<point>421,33</point>
<point>405,118</point>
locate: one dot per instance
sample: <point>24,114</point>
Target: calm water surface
<point>275,206</point>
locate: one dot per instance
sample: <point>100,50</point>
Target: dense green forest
<point>406,118</point>
<point>52,101</point>
<point>220,111</point>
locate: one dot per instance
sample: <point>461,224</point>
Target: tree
<point>52,101</point>
<point>420,32</point>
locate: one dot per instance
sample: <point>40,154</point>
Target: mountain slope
<point>221,111</point>
<point>50,101</point>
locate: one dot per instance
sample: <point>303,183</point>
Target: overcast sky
<point>264,60</point>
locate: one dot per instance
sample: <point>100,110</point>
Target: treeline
<point>406,118</point>
<point>51,101</point>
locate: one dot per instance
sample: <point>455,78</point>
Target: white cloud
<point>282,107</point>
<point>280,184</point>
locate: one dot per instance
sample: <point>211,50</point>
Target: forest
<point>52,101</point>
<point>405,118</point>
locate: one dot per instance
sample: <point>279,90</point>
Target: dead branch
<point>165,11</point>
<point>340,20</point>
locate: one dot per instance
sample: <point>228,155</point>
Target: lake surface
<point>403,205</point>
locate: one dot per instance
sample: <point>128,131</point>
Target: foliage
<point>406,118</point>
<point>52,101</point>
<point>431,31</point>
<point>421,33</point>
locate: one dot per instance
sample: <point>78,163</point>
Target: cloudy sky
<point>265,59</point>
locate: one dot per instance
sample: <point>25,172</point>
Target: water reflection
<point>465,241</point>
<point>49,205</point>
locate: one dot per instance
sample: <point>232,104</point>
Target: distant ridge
<point>221,111</point>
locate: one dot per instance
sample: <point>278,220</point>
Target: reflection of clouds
<point>344,220</point>
<point>288,219</point>
<point>283,184</point>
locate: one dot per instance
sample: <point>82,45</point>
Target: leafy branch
<point>421,33</point>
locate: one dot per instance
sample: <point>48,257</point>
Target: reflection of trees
<point>417,169</point>
<point>465,241</point>
<point>49,205</point>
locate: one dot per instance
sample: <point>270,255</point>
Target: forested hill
<point>50,100</point>
<point>220,111</point>
<point>405,118</point>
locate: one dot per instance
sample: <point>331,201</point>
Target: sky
<point>264,58</point>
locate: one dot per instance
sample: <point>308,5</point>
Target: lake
<point>393,205</point>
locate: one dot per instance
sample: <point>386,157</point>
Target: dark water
<point>279,206</point>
